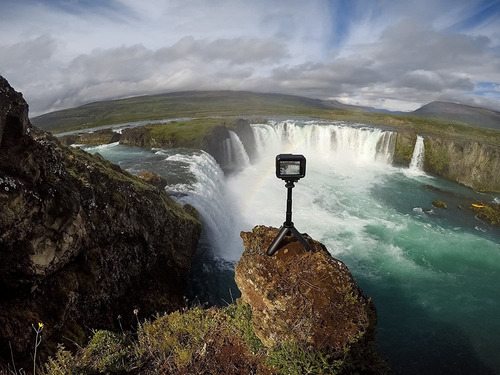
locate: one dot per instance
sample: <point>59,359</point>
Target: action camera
<point>290,167</point>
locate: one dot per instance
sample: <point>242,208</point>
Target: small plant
<point>38,340</point>
<point>106,352</point>
<point>62,364</point>
<point>136,313</point>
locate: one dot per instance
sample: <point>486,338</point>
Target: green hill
<point>475,116</point>
<point>180,104</point>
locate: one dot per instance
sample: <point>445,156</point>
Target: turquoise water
<point>432,273</point>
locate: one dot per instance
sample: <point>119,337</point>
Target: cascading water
<point>347,144</point>
<point>417,159</point>
<point>235,156</point>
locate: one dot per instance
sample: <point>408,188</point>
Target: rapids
<point>432,273</point>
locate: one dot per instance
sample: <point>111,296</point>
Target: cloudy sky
<point>389,54</point>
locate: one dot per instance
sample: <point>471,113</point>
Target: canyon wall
<point>470,163</point>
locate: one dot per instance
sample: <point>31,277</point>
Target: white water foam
<point>92,149</point>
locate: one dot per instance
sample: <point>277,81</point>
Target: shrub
<point>106,352</point>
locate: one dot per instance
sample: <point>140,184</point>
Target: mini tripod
<point>288,226</point>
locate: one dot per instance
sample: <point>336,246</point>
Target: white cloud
<point>374,52</point>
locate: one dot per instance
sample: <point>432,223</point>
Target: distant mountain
<point>334,104</point>
<point>475,116</point>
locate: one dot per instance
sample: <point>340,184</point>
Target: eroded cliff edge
<point>470,163</point>
<point>81,241</point>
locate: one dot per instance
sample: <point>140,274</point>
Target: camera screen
<point>289,167</point>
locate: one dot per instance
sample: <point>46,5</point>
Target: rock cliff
<point>81,241</point>
<point>467,162</point>
<point>304,297</point>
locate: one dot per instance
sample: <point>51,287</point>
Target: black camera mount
<point>288,227</point>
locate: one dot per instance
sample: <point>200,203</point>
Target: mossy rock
<point>440,204</point>
<point>490,213</point>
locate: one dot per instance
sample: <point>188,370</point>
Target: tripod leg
<point>301,239</point>
<point>275,244</point>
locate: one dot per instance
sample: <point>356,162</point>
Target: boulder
<point>304,297</point>
<point>97,138</point>
<point>153,178</point>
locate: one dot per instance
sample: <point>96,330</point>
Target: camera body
<point>290,167</point>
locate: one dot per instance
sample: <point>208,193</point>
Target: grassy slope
<point>213,104</point>
<point>184,104</point>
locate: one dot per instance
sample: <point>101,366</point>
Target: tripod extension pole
<point>289,185</point>
<point>288,227</point>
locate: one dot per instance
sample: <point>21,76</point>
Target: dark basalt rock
<point>81,240</point>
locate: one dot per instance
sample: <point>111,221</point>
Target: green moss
<point>296,359</point>
<point>240,317</point>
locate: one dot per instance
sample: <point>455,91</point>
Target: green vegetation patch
<point>194,341</point>
<point>185,134</point>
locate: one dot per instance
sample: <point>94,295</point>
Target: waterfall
<point>210,197</point>
<point>235,155</point>
<point>240,156</point>
<point>417,159</point>
<point>345,144</point>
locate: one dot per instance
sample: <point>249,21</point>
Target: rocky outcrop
<point>305,297</point>
<point>98,137</point>
<point>403,150</point>
<point>247,137</point>
<point>81,240</point>
<point>213,143</point>
<point>467,162</point>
